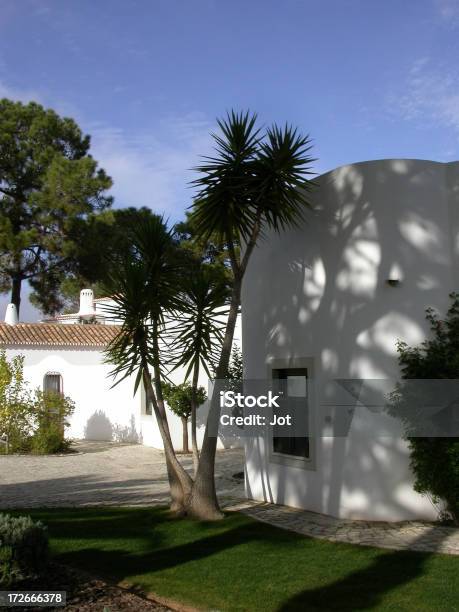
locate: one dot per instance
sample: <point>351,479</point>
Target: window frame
<point>61,383</point>
<point>295,363</point>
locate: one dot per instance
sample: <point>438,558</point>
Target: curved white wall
<point>319,292</point>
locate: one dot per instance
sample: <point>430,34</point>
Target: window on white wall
<point>52,382</point>
<point>296,390</point>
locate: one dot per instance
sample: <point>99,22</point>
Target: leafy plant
<point>16,404</point>
<point>235,368</point>
<point>23,548</point>
<point>30,421</point>
<point>180,400</point>
<point>434,460</point>
<point>51,411</point>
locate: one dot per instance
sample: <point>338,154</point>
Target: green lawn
<point>240,564</point>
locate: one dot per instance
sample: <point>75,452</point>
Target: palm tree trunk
<point>179,480</point>
<point>203,503</point>
<point>194,440</point>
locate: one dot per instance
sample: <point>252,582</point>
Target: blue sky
<point>147,78</point>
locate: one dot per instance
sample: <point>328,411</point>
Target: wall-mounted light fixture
<point>395,276</point>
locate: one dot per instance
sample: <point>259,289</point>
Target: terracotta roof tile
<point>52,334</point>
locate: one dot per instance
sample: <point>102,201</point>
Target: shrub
<point>31,421</point>
<point>23,548</point>
<point>16,404</point>
<point>434,461</point>
<point>51,412</point>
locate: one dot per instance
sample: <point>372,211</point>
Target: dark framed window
<point>52,382</point>
<point>295,386</point>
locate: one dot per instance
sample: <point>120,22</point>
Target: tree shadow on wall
<point>99,427</point>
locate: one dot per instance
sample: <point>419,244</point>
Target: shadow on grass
<point>162,554</point>
<point>121,544</point>
<point>363,589</point>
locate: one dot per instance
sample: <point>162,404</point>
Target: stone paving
<point>407,535</point>
<point>102,473</point>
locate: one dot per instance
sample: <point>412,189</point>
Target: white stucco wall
<point>319,292</point>
<point>101,412</point>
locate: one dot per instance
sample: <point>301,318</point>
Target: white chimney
<point>11,315</point>
<point>87,310</point>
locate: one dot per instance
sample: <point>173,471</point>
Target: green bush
<point>32,422</point>
<point>16,404</point>
<point>51,412</point>
<point>434,461</point>
<point>23,548</point>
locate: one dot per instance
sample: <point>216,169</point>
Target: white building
<point>67,353</point>
<point>329,300</point>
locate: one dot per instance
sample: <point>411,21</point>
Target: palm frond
<point>198,329</point>
<point>143,281</point>
<point>222,203</point>
<point>254,177</point>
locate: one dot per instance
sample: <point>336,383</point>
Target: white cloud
<point>429,95</point>
<point>150,169</point>
<point>448,10</point>
<point>17,93</point>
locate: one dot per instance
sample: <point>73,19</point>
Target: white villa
<point>325,301</point>
<point>66,353</point>
<point>329,300</point>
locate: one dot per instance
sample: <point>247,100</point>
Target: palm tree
<point>144,281</point>
<point>198,328</point>
<point>258,179</point>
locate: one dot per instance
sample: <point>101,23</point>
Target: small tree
<point>434,460</point>
<point>180,400</point>
<point>235,368</point>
